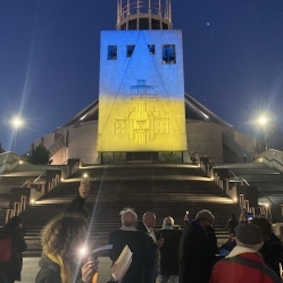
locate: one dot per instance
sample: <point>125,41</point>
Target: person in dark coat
<point>231,225</point>
<point>11,270</point>
<point>169,252</point>
<point>272,249</point>
<point>146,226</point>
<point>197,249</point>
<point>61,262</point>
<point>140,268</point>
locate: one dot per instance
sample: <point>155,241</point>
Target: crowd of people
<point>252,254</point>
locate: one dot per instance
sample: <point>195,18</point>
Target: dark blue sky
<point>49,59</point>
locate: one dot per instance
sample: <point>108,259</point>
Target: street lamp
<point>263,122</point>
<point>16,123</point>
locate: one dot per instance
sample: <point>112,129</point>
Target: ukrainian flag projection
<point>141,97</point>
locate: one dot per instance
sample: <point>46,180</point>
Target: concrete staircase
<point>164,189</point>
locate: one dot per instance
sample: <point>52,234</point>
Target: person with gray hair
<point>197,249</point>
<point>139,270</point>
<point>169,269</point>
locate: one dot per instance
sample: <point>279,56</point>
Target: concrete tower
<point>141,92</point>
<point>146,14</point>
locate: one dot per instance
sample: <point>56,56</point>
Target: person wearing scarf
<point>61,262</point>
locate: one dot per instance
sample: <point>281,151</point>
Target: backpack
<point>5,249</point>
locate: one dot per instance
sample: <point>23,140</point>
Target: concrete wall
<point>82,142</point>
<point>48,140</point>
<point>205,139</point>
<point>60,157</point>
<point>246,141</point>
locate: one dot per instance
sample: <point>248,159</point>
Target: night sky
<point>49,60</point>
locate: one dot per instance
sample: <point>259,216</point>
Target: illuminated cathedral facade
<point>143,113</point>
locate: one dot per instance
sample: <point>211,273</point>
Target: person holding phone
<point>78,204</point>
<point>61,262</point>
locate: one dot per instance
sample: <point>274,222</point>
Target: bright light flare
<point>17,122</point>
<point>83,251</point>
<point>262,120</point>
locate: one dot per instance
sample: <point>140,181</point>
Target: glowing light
<point>82,118</point>
<point>261,159</point>
<point>262,120</point>
<point>21,162</point>
<point>266,204</point>
<point>62,179</point>
<point>235,199</point>
<point>83,251</point>
<point>85,175</point>
<point>17,122</point>
<point>32,201</point>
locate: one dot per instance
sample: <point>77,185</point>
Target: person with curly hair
<point>62,239</point>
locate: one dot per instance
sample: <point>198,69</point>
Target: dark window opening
<point>130,50</point>
<point>169,54</point>
<point>144,24</point>
<point>112,52</point>
<point>151,48</point>
<point>155,24</point>
<point>123,26</point>
<point>132,24</point>
<point>164,26</point>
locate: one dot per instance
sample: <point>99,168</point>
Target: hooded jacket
<point>243,265</point>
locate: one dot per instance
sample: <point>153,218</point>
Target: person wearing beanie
<point>244,264</point>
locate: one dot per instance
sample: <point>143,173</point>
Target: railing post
<point>227,184</point>
<point>262,210</point>
<point>9,213</point>
<point>241,200</point>
<point>16,208</point>
<point>247,205</point>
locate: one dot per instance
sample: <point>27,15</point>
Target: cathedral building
<point>143,113</point>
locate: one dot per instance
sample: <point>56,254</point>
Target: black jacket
<point>139,270</point>
<point>197,254</point>
<point>272,252</point>
<point>169,252</point>
<point>11,270</point>
<point>49,272</point>
<point>153,249</point>
<point>77,206</point>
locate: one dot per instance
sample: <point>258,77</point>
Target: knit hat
<point>248,234</point>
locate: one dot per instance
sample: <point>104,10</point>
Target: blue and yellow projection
<point>141,92</point>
